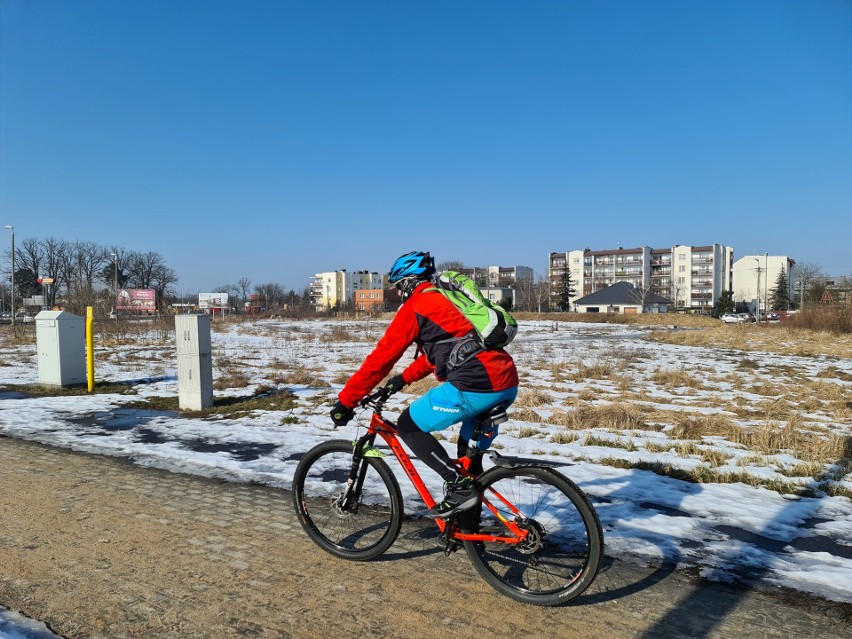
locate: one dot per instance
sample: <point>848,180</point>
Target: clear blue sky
<point>276,139</point>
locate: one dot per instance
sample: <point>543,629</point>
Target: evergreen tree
<point>565,290</point>
<point>780,295</point>
<point>725,303</point>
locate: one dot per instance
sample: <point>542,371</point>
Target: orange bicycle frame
<point>389,433</point>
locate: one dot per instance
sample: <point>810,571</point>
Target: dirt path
<point>98,547</point>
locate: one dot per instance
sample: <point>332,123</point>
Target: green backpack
<point>495,327</point>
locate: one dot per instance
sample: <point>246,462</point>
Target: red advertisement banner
<point>136,299</point>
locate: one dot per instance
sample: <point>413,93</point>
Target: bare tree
<point>805,275</point>
<point>525,293</point>
<point>450,265</point>
<point>678,291</point>
<point>90,260</point>
<point>29,256</point>
<point>244,286</point>
<point>272,294</point>
<point>54,251</point>
<point>541,293</point>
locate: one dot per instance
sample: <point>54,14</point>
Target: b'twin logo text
<point>446,410</point>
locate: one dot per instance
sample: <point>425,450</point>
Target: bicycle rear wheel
<point>360,531</point>
<point>563,551</point>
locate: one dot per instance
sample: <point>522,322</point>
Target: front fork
<point>348,500</point>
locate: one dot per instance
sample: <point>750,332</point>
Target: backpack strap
<point>464,349</point>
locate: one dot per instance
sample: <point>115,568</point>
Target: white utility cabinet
<point>61,345</point>
<point>194,362</point>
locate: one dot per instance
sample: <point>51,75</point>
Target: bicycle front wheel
<point>562,553</point>
<point>360,530</point>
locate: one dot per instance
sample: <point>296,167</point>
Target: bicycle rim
<point>360,531</point>
<point>565,543</point>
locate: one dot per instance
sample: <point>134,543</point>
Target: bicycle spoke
<point>561,553</point>
<point>364,527</point>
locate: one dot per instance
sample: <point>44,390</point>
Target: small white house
<point>622,298</point>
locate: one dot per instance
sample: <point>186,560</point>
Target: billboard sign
<point>212,300</point>
<point>136,299</point>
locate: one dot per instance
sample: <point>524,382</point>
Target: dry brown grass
<point>600,369</point>
<point>676,379</point>
<point>532,399</point>
<point>695,427</point>
<point>832,372</point>
<point>773,338</point>
<point>645,319</point>
<point>420,387</point>
<point>611,416</point>
<point>563,437</point>
<point>21,336</point>
<point>807,445</point>
<point>766,388</point>
<point>294,375</point>
<point>836,320</point>
<point>231,378</point>
<point>525,415</point>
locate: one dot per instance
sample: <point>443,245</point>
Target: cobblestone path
<point>97,547</point>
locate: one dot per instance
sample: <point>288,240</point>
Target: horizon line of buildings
<point>691,277</point>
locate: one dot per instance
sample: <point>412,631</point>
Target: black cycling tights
<point>426,448</point>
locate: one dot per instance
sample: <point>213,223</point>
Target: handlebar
<point>376,400</point>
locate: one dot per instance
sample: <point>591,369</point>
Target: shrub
<point>830,319</point>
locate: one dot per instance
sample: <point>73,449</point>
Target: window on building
<point>681,268</point>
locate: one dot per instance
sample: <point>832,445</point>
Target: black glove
<point>341,414</point>
<point>394,384</point>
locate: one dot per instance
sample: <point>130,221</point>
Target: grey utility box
<point>61,345</point>
<point>194,362</point>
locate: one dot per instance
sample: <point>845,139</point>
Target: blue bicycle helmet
<point>409,270</point>
<point>417,264</point>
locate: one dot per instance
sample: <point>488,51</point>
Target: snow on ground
<point>16,626</point>
<point>727,531</point>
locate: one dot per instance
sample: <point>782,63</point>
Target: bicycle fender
<point>507,461</point>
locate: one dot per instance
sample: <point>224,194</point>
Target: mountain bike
<point>535,537</point>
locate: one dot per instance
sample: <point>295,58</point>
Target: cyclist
<point>469,388</point>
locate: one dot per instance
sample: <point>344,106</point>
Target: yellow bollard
<point>90,347</point>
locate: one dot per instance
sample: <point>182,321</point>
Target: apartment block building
<point>335,289</point>
<point>377,300</point>
<point>498,276</point>
<point>689,276</point>
<point>755,277</point>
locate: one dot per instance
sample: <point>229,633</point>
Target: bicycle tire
<point>360,533</point>
<point>566,541</point>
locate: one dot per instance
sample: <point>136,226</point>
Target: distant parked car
<point>773,316</point>
<point>747,317</point>
<point>733,318</point>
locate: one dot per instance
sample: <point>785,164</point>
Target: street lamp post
<point>12,230</point>
<point>766,282</point>
<point>757,303</point>
<point>115,285</point>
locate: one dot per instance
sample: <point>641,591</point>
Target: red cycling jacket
<point>427,318</point>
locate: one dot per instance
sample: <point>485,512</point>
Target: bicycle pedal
<point>450,544</point>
